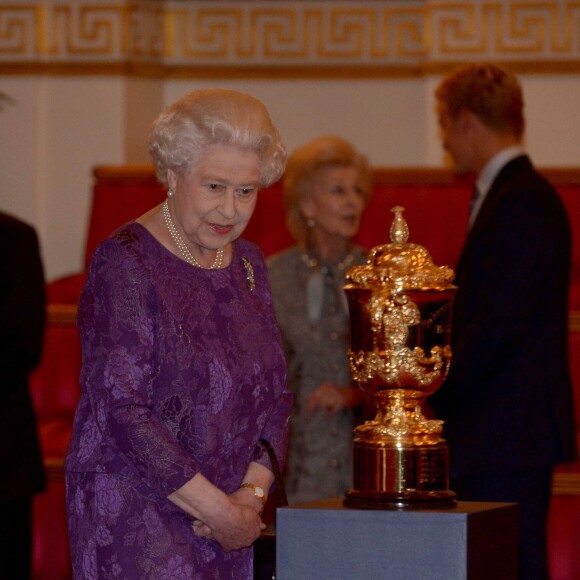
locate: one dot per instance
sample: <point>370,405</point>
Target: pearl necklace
<point>180,243</point>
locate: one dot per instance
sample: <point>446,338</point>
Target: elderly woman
<point>183,366</point>
<point>326,187</point>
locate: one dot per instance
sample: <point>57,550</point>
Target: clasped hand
<point>239,527</point>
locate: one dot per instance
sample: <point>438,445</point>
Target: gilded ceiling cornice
<point>273,39</point>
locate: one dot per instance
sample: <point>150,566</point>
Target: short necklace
<point>313,262</point>
<point>187,255</point>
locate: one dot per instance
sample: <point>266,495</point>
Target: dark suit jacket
<point>507,402</point>
<point>22,318</point>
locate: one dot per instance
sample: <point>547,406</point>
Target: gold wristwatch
<point>258,493</point>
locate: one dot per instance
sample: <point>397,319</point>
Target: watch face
<point>258,491</point>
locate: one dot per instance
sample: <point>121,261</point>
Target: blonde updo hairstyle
<point>298,180</point>
<point>182,134</point>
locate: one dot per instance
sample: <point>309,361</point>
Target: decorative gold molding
<point>61,314</point>
<point>383,175</point>
<point>562,483</point>
<point>270,39</point>
<point>566,483</point>
<point>66,314</point>
<point>54,468</point>
<point>574,320</point>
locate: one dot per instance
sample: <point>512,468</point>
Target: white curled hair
<point>181,134</point>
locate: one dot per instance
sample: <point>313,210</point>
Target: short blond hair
<point>324,151</point>
<point>181,135</point>
<point>490,92</point>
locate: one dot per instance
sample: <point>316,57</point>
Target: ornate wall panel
<point>539,33</point>
<point>302,38</point>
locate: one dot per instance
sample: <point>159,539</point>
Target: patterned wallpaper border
<point>255,38</point>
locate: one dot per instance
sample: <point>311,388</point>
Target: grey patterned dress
<point>311,308</point>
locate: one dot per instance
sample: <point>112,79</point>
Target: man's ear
<point>469,121</point>
<point>465,119</point>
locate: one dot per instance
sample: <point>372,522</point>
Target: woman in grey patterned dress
<point>327,184</point>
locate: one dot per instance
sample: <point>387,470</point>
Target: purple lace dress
<point>183,372</point>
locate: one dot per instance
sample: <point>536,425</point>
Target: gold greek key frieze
<point>504,29</point>
<point>146,30</point>
<point>18,26</point>
<point>333,38</point>
<point>88,30</point>
<point>62,30</point>
<point>326,32</point>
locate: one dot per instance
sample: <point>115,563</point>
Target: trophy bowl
<point>400,307</point>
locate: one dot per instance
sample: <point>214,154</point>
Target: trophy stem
<point>400,459</point>
<point>399,414</point>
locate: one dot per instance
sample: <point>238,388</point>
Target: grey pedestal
<point>323,540</point>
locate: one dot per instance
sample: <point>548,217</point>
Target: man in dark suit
<point>507,402</point>
<point>22,319</point>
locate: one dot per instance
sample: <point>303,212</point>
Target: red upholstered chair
<point>55,383</point>
<point>436,208</point>
<point>564,519</point>
<point>65,290</point>
<point>55,391</point>
<point>120,194</point>
<point>570,194</point>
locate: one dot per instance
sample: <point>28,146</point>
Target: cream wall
<point>385,119</point>
<point>142,103</point>
<point>553,119</point>
<point>88,76</point>
<point>52,136</point>
<point>393,120</point>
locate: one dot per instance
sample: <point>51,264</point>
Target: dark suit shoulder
<point>14,228</point>
<point>520,175</point>
<point>520,192</point>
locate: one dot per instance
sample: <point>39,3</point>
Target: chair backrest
<point>54,385</point>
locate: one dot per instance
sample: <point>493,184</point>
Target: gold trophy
<point>400,311</point>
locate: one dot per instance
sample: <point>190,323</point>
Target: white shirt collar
<point>490,172</point>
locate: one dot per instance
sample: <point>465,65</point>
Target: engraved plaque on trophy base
<point>401,476</point>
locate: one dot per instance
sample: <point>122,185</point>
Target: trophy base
<point>400,501</point>
<point>399,474</point>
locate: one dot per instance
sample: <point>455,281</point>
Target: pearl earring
<point>170,193</point>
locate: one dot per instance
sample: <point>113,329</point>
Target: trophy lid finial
<point>400,265</point>
<point>399,229</point>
